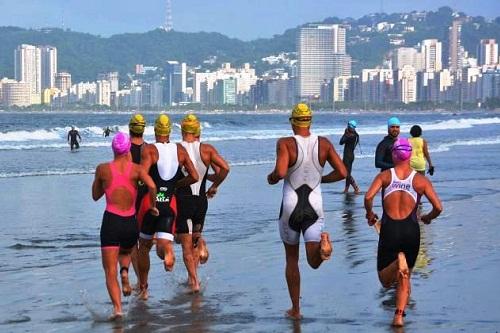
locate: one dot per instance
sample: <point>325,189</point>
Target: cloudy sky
<point>244,19</point>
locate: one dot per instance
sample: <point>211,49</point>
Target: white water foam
<point>447,146</point>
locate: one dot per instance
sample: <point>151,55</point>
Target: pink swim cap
<point>121,143</point>
<point>401,150</point>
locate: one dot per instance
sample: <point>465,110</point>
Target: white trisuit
<point>302,205</point>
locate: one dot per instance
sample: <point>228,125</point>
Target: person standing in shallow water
<point>350,139</point>
<point>117,180</point>
<point>383,153</point>
<point>420,151</point>
<point>399,240</point>
<point>300,160</point>
<point>74,138</point>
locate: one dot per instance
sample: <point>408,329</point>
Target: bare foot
<point>143,293</point>
<point>195,287</point>
<point>126,288</point>
<point>398,320</point>
<point>202,250</point>
<point>169,260</point>
<point>293,314</point>
<point>117,315</point>
<point>326,248</point>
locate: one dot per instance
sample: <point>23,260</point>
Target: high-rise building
<point>49,66</point>
<point>174,86</point>
<point>316,46</point>
<point>63,81</point>
<point>112,78</point>
<point>406,84</point>
<point>103,93</point>
<point>455,51</point>
<point>487,53</point>
<point>225,91</point>
<point>431,50</point>
<point>28,68</point>
<point>16,93</point>
<point>407,56</point>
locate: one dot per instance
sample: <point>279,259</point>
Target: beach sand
<point>52,279</point>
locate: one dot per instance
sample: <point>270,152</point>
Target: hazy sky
<point>244,19</point>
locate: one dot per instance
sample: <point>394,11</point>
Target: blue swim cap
<point>393,121</point>
<point>352,124</point>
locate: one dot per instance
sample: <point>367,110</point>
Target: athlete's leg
<point>109,263</point>
<point>187,254</point>
<point>292,274</point>
<point>144,265</point>
<point>134,258</point>
<point>317,252</point>
<point>165,251</point>
<point>124,260</point>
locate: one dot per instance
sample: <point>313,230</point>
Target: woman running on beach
<point>117,180</point>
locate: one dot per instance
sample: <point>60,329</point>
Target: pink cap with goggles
<point>121,143</point>
<point>401,150</point>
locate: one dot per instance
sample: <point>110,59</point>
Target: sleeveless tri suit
<point>192,201</point>
<point>302,204</point>
<point>399,235</point>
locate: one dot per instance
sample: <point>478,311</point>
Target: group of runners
<point>157,193</point>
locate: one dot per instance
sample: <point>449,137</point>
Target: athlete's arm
<point>282,161</point>
<point>146,179</point>
<point>431,195</point>
<point>339,171</point>
<point>379,156</point>
<point>79,137</point>
<point>376,185</point>
<point>97,185</point>
<point>146,157</point>
<point>212,176</point>
<point>185,161</point>
<point>219,164</point>
<point>427,155</point>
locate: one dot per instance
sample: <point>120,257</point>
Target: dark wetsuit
<point>165,173</point>
<point>72,137</point>
<point>399,235</point>
<point>383,154</point>
<point>350,140</point>
<point>142,189</point>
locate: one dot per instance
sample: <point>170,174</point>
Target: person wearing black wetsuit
<point>383,154</point>
<point>72,138</point>
<point>350,140</point>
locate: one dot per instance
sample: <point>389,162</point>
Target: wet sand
<point>52,280</point>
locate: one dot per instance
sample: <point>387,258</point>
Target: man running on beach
<point>136,127</point>
<point>399,240</point>
<point>351,140</point>
<point>192,201</point>
<point>300,161</point>
<point>72,138</point>
<point>163,160</point>
<point>117,180</point>
<point>383,154</point>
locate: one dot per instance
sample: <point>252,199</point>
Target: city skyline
<point>113,16</point>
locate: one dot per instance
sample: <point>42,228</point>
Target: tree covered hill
<point>85,55</point>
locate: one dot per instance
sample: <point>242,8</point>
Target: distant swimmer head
<point>401,150</point>
<point>163,125</point>
<point>137,124</point>
<point>191,124</point>
<point>393,121</point>
<point>301,115</point>
<point>121,143</point>
<point>352,124</point>
<point>416,131</point>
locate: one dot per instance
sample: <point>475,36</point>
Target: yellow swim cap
<point>301,115</point>
<point>162,125</point>
<point>190,124</point>
<point>137,123</point>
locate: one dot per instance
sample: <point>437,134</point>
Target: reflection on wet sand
<point>351,234</point>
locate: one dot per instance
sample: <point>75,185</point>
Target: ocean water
<point>51,279</point>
